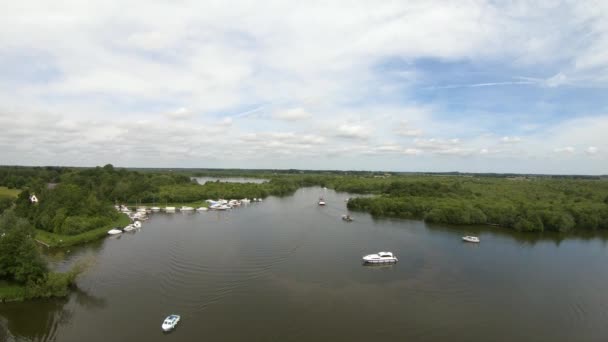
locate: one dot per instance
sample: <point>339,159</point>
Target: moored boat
<point>114,231</point>
<point>184,208</point>
<point>380,258</point>
<point>170,209</point>
<point>202,209</point>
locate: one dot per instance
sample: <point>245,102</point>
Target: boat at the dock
<point>114,231</point>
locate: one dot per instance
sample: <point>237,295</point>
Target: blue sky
<point>472,86</point>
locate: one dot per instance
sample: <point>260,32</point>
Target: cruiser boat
<point>129,228</point>
<point>114,231</point>
<point>202,209</point>
<point>155,209</point>
<point>170,322</point>
<point>321,201</point>
<point>470,239</point>
<point>170,209</point>
<point>380,258</point>
<point>186,208</point>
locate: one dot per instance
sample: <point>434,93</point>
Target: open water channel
<point>289,270</point>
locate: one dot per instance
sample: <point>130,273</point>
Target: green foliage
<point>5,203</point>
<point>19,258</point>
<point>560,205</point>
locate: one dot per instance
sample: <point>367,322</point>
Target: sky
<point>470,86</point>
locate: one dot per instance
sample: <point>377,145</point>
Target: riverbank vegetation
<point>23,272</point>
<point>80,200</point>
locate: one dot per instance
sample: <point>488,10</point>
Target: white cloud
<point>566,149</point>
<point>591,150</point>
<point>352,131</point>
<point>180,113</point>
<point>340,76</point>
<point>510,140</point>
<point>292,114</point>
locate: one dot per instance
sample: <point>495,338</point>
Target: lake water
<point>289,270</point>
<point>203,180</point>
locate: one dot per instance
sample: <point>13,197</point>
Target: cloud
<point>180,114</point>
<point>566,150</point>
<point>405,130</point>
<point>292,114</point>
<point>195,74</point>
<point>591,150</point>
<point>352,131</point>
<point>510,140</point>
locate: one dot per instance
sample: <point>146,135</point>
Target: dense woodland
<point>74,200</point>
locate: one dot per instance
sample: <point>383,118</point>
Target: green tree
<point>19,259</point>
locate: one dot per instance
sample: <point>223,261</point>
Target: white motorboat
<point>245,201</point>
<point>114,231</point>
<point>170,322</point>
<point>137,224</point>
<point>170,209</point>
<point>184,208</point>
<point>474,239</point>
<point>155,209</point>
<point>321,201</point>
<point>380,258</point>
<point>141,209</point>
<point>129,228</point>
<point>202,209</point>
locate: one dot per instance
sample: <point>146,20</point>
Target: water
<point>203,180</point>
<point>289,270</point>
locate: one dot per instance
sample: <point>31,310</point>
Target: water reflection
<point>40,320</point>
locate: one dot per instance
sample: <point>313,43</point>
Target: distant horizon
<point>482,86</point>
<point>313,170</point>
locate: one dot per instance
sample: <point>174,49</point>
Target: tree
<point>20,261</point>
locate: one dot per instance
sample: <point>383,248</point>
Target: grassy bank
<point>58,240</point>
<point>6,192</point>
<point>10,292</point>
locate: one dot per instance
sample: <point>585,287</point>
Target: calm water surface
<point>288,270</point>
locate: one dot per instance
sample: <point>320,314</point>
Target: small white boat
<point>245,201</point>
<point>380,258</point>
<point>170,322</point>
<point>141,209</point>
<point>186,208</point>
<point>155,209</point>
<point>321,201</point>
<point>129,228</point>
<point>202,209</point>
<point>137,224</point>
<point>170,209</point>
<point>114,231</point>
<point>474,239</point>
